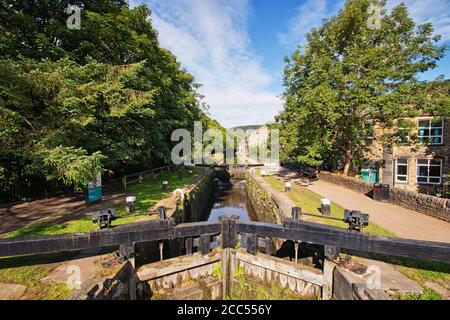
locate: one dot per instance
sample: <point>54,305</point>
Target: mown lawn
<point>150,192</point>
<point>147,193</point>
<point>31,269</point>
<point>309,201</point>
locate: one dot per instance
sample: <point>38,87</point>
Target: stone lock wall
<point>265,206</point>
<point>192,207</point>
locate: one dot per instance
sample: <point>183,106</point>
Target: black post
<point>225,232</point>
<point>126,251</point>
<point>162,213</point>
<point>331,252</point>
<point>268,243</point>
<point>233,231</point>
<point>205,244</point>
<point>189,246</point>
<point>296,213</point>
<point>252,244</point>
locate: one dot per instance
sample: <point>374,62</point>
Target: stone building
<point>254,148</point>
<point>418,157</point>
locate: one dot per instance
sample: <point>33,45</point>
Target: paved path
<point>403,222</point>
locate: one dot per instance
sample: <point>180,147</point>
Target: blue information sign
<point>94,192</point>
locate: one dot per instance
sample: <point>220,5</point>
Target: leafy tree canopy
<point>71,101</point>
<point>348,75</point>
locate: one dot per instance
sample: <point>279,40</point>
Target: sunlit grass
<point>147,193</point>
<point>31,269</point>
<point>150,192</point>
<point>418,271</point>
<point>309,202</point>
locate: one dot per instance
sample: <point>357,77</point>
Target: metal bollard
<point>130,204</point>
<point>287,187</point>
<point>165,185</point>
<point>325,207</point>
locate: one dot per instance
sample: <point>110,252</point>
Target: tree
<point>73,166</point>
<point>349,75</point>
<point>106,96</point>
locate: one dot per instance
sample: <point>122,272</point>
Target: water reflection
<point>230,199</point>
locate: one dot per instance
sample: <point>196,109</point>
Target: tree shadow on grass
<point>36,259</point>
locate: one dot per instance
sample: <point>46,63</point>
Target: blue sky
<point>235,48</point>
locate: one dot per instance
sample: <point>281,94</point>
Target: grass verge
<point>31,269</point>
<point>309,201</point>
<point>147,193</point>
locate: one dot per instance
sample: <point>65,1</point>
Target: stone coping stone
<point>10,291</point>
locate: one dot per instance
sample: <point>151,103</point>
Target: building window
<point>431,131</point>
<point>429,171</point>
<point>401,170</point>
<point>404,128</point>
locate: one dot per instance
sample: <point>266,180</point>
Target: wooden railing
<point>227,230</point>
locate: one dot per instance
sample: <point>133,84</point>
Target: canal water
<point>230,199</point>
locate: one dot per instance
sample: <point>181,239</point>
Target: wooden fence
<point>29,189</point>
<point>141,176</point>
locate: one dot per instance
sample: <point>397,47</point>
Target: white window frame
<point>430,137</point>
<point>401,175</point>
<point>428,170</point>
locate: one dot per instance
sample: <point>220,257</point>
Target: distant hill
<point>250,127</point>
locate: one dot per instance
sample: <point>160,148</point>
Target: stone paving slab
<point>87,263</point>
<point>11,291</point>
<point>391,279</point>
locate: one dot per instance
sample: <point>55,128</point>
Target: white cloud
<point>423,11</point>
<point>210,40</point>
<point>311,13</point>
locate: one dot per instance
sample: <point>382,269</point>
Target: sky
<point>235,48</point>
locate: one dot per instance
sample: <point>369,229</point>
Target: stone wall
<point>429,205</point>
<point>118,287</point>
<point>426,204</point>
<point>348,182</point>
<point>345,288</point>
<point>266,207</point>
<point>191,207</point>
